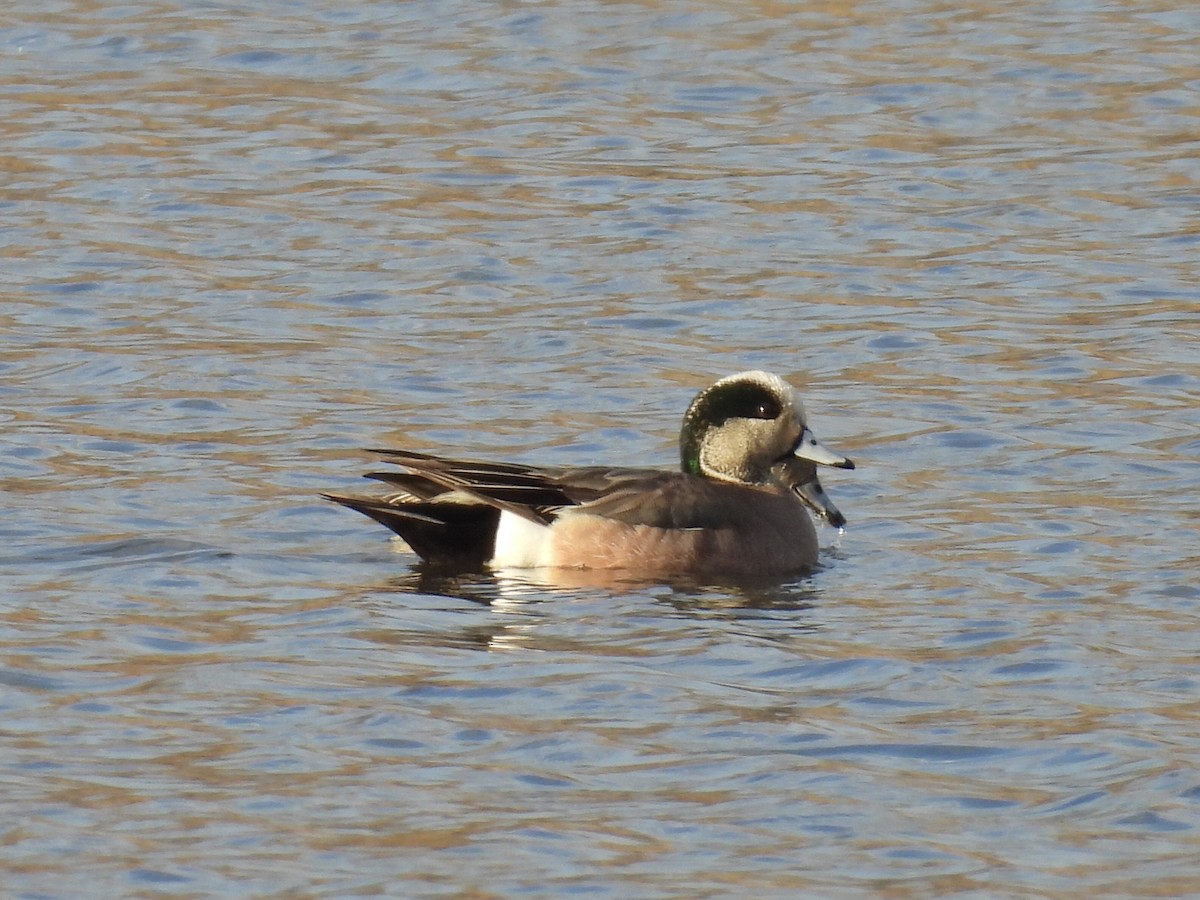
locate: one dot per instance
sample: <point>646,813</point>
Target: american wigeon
<point>737,507</point>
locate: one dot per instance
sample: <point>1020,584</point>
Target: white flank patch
<point>518,542</point>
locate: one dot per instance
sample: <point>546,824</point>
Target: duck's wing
<point>635,496</point>
<point>671,500</point>
<point>527,491</point>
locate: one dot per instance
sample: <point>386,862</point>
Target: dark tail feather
<point>450,534</point>
<point>420,487</point>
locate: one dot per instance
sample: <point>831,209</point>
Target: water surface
<point>239,244</point>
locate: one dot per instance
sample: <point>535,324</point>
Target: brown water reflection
<point>239,244</point>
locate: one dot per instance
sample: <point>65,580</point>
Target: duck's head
<point>750,428</point>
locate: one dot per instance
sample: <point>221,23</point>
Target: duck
<point>740,503</point>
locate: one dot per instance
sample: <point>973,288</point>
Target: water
<point>239,244</point>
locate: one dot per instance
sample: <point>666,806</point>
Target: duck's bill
<point>814,451</point>
<point>801,476</point>
<point>818,501</point>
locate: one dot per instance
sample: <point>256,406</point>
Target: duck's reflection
<point>487,586</point>
<point>524,602</point>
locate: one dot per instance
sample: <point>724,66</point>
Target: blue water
<point>241,244</point>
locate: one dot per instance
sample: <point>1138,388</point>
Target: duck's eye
<point>766,409</point>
